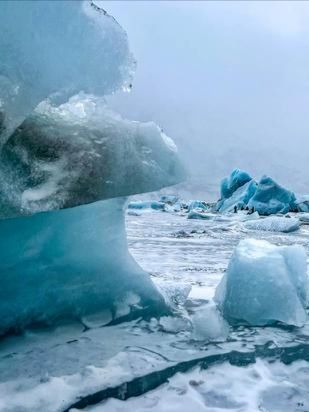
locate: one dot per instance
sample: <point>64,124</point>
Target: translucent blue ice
<point>57,48</point>
<point>271,198</point>
<point>63,157</point>
<point>239,198</point>
<point>231,183</point>
<point>265,284</point>
<point>67,264</point>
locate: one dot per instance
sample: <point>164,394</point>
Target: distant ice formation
<point>265,284</point>
<point>240,191</point>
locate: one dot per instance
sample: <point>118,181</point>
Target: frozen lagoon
<point>53,369</point>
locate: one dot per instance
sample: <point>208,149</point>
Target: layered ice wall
<point>67,163</point>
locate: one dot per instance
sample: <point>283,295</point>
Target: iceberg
<point>264,284</point>
<point>239,198</point>
<point>197,205</point>
<point>67,164</point>
<point>271,198</point>
<point>169,199</point>
<point>147,204</point>
<point>274,224</point>
<point>56,49</point>
<point>231,183</point>
<point>302,203</point>
<point>195,214</point>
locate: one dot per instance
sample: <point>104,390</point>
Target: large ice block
<point>265,284</point>
<point>56,49</point>
<point>81,152</point>
<point>231,183</point>
<point>67,264</point>
<point>239,198</point>
<point>63,156</point>
<point>271,198</point>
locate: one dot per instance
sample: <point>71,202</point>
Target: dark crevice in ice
<point>144,384</point>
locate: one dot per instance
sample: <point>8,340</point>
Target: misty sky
<point>229,81</point>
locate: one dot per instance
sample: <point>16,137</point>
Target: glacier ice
<point>146,204</point>
<point>239,198</point>
<point>69,264</point>
<point>231,183</point>
<point>169,199</point>
<point>271,198</point>
<point>302,203</point>
<point>274,224</point>
<point>56,49</point>
<point>81,152</point>
<point>197,205</point>
<point>196,214</point>
<point>264,284</point>
<point>266,197</point>
<point>67,164</point>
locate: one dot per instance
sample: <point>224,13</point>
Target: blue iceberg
<point>239,198</point>
<point>271,198</point>
<point>67,164</point>
<point>302,203</point>
<point>231,183</point>
<point>265,284</point>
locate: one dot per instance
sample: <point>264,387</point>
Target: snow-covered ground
<point>190,361</point>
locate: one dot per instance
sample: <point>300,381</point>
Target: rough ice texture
<point>231,183</point>
<point>57,48</point>
<point>195,214</point>
<point>271,198</point>
<point>146,204</point>
<point>197,204</point>
<point>69,263</point>
<point>60,146</point>
<point>304,217</point>
<point>82,152</point>
<point>302,203</point>
<point>274,224</point>
<point>264,284</point>
<point>239,198</point>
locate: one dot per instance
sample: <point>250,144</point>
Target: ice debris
<point>264,284</point>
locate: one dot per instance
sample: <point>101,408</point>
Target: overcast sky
<point>229,81</point>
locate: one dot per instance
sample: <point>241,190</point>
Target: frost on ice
<point>264,284</point>
<point>67,163</point>
<point>274,224</point>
